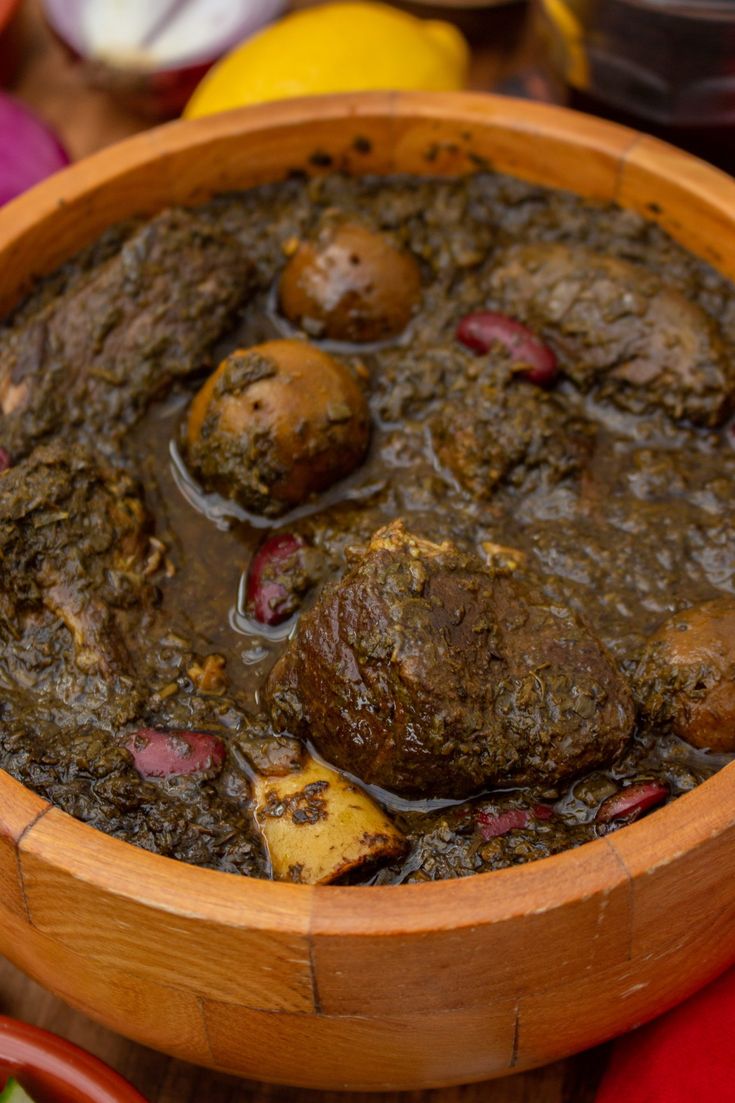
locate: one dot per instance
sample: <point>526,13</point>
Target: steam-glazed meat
<point>153,634</point>
<point>686,679</point>
<point>93,358</point>
<point>504,430</point>
<point>618,328</point>
<point>424,673</point>
<point>75,552</point>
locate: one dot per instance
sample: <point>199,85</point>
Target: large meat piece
<point>76,554</point>
<point>508,432</point>
<point>93,358</point>
<point>428,674</point>
<point>618,328</point>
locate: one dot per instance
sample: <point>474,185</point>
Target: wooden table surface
<point>88,121</point>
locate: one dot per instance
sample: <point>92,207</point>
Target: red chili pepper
<point>532,358</point>
<point>158,753</point>
<point>632,801</point>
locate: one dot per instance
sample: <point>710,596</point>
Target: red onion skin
<point>267,600</point>
<point>631,802</point>
<point>160,91</point>
<point>159,94</point>
<point>480,331</point>
<point>66,20</point>
<point>158,753</point>
<point>36,151</point>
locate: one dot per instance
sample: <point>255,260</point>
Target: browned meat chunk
<point>618,328</point>
<point>277,423</point>
<point>424,672</point>
<point>75,550</point>
<point>93,358</point>
<point>686,679</point>
<point>506,431</point>
<point>78,625</point>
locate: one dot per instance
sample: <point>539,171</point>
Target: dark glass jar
<point>664,66</point>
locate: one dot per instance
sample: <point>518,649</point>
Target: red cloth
<point>686,1056</point>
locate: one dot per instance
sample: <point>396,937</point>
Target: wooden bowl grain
<point>393,987</point>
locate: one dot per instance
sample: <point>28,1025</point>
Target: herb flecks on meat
<point>463,565</point>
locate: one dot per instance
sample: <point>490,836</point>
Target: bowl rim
<point>25,1046</point>
<point>120,868</point>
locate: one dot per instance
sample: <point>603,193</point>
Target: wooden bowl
<point>391,987</point>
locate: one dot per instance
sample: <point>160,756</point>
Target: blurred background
<point>40,69</point>
<point>81,74</point>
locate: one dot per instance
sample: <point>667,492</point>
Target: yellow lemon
<point>339,47</point>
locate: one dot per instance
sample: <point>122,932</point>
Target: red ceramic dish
<point>55,1071</point>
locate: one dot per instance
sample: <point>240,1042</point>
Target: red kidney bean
<point>5,460</point>
<point>158,753</point>
<point>632,801</point>
<point>532,358</point>
<point>268,598</point>
<point>491,825</point>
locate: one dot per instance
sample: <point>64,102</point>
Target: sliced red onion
<point>151,35</point>
<point>158,753</point>
<point>5,460</point>
<point>31,150</point>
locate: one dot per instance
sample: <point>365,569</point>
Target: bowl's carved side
<point>19,811</point>
<point>372,988</point>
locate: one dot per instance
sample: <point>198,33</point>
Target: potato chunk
<point>318,826</point>
<point>350,284</point>
<point>686,679</point>
<point>277,423</point>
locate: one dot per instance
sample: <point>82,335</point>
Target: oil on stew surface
<point>370,530</point>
